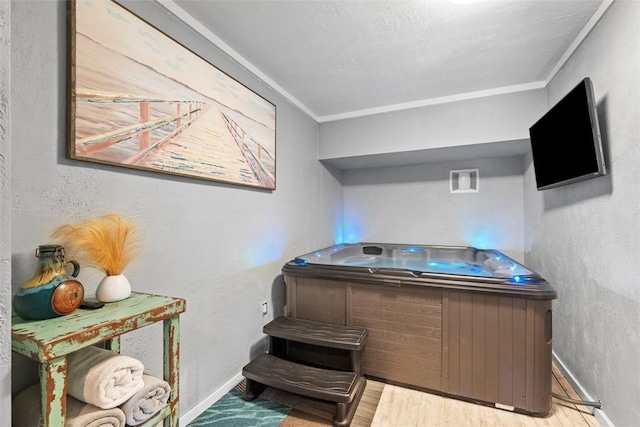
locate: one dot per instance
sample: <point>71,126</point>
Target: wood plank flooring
<point>385,405</point>
<point>404,407</point>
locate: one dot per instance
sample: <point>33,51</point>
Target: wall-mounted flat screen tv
<point>566,142</point>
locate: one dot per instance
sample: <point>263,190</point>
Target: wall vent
<point>464,181</point>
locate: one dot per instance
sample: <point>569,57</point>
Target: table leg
<point>113,344</point>
<point>53,389</point>
<point>172,366</point>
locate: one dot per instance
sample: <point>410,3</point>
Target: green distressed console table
<point>49,341</point>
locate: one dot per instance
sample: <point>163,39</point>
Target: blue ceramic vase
<point>52,291</point>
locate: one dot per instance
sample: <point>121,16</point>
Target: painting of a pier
<point>140,99</point>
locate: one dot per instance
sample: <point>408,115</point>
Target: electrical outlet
<point>265,308</point>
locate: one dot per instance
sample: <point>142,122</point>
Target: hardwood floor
<point>385,405</point>
<point>404,407</point>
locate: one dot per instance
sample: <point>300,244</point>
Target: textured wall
<point>474,121</point>
<point>412,204</point>
<point>219,246</point>
<point>585,237</point>
<point>5,213</point>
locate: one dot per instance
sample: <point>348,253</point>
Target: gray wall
<point>5,212</point>
<point>585,237</point>
<point>488,119</point>
<point>219,246</point>
<point>412,204</point>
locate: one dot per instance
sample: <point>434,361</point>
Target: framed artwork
<point>139,99</point>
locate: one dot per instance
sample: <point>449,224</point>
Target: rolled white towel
<point>103,378</point>
<point>146,402</point>
<point>26,412</point>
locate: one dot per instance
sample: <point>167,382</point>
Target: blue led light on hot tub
<point>416,250</point>
<point>524,279</point>
<point>300,261</point>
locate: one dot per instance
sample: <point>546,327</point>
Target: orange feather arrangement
<point>108,243</point>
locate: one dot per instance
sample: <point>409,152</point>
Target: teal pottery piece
<point>52,291</point>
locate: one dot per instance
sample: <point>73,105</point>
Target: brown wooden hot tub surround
<point>481,344</point>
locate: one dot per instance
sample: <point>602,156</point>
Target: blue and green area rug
<point>276,408</point>
<point>232,411</point>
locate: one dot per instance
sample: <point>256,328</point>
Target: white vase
<point>113,288</point>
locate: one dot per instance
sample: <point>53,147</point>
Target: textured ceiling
<point>336,58</point>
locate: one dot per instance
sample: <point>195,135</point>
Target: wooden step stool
<point>344,388</point>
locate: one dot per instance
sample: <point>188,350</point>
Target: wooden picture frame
<point>139,99</point>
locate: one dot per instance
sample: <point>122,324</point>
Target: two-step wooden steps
<point>344,388</point>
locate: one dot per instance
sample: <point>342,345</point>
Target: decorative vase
<point>113,288</point>
<point>51,292</point>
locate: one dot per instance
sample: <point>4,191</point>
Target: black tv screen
<point>566,142</point>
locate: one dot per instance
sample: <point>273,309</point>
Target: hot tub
<point>465,322</point>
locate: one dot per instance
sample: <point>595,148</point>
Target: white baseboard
<point>598,413</point>
<point>210,400</point>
